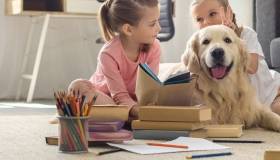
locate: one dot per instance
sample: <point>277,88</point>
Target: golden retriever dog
<point>218,57</point>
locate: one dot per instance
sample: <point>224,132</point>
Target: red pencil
<point>167,145</point>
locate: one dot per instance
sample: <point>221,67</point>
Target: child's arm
<point>254,49</point>
<point>253,63</point>
<point>115,82</point>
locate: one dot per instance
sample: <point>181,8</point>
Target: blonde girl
<point>265,81</point>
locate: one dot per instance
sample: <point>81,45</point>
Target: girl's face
<point>206,13</point>
<point>148,27</point>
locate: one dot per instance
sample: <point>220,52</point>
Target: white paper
<point>194,144</point>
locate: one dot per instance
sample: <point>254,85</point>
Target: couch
<point>267,25</point>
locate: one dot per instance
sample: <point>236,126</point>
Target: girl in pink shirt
<point>130,28</point>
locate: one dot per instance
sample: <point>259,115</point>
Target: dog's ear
<point>244,56</point>
<point>190,56</point>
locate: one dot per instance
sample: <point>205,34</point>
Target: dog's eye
<point>227,40</point>
<point>206,41</point>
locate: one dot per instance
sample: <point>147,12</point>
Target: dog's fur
<point>218,56</point>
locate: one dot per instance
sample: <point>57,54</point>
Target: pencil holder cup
<point>73,134</point>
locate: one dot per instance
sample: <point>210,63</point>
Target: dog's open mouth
<point>220,71</point>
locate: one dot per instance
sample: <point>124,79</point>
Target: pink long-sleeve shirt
<point>116,73</point>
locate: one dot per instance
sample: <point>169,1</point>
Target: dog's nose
<point>218,54</point>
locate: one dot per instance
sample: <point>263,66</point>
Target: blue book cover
<point>158,134</point>
<point>180,77</point>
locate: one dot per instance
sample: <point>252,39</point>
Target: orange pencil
<point>85,108</point>
<point>167,145</point>
<point>88,109</point>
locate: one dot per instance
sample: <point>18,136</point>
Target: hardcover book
<point>272,155</point>
<point>173,126</point>
<point>177,89</point>
<point>104,126</point>
<point>224,131</point>
<point>109,113</point>
<point>121,135</point>
<point>199,113</point>
<point>53,140</point>
<point>166,135</point>
<point>158,134</point>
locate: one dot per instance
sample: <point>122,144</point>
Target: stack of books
<point>106,123</point>
<point>170,122</point>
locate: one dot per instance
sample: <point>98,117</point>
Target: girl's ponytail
<point>238,29</point>
<point>105,22</point>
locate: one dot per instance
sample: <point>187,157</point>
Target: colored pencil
<point>72,131</point>
<point>236,141</point>
<point>110,151</point>
<point>209,155</point>
<point>167,145</point>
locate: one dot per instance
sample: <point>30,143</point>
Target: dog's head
<point>215,51</point>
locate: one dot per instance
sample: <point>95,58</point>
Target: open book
<point>176,89</point>
<point>180,77</point>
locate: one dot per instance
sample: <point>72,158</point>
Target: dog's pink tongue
<point>218,72</point>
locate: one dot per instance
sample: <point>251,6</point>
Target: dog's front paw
<point>277,127</point>
<point>275,122</point>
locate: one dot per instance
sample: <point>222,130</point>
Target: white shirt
<point>265,81</point>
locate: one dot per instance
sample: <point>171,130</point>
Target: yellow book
<point>175,113</point>
<point>52,140</point>
<point>224,131</point>
<point>272,155</point>
<point>172,126</point>
<point>109,113</point>
<point>200,133</point>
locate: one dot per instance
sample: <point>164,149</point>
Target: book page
<point>180,77</point>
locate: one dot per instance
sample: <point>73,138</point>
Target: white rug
<point>24,127</point>
<point>23,137</point>
<point>25,105</point>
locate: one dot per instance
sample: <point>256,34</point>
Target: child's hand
<point>84,87</point>
<point>227,17</point>
<point>134,111</point>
